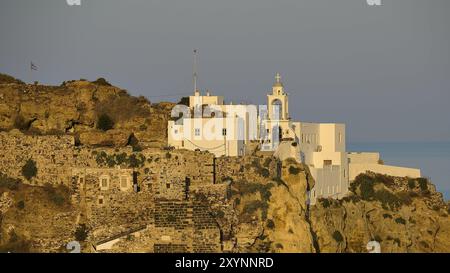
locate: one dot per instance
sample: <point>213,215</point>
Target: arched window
<point>277,109</point>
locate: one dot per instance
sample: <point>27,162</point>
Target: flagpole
<point>31,73</point>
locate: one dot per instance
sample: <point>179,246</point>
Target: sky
<point>382,70</point>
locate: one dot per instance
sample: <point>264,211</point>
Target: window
<point>197,131</point>
<point>124,182</point>
<point>224,131</point>
<point>168,185</point>
<point>340,138</point>
<point>104,182</point>
<point>327,162</point>
<point>176,131</point>
<point>100,200</point>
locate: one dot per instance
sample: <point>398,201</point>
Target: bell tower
<point>277,102</point>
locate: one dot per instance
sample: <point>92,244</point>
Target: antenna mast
<point>195,71</point>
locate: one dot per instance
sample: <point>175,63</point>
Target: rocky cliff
<point>188,201</point>
<point>75,107</point>
<point>403,215</point>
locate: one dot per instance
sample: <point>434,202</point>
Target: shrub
<point>405,198</point>
<point>121,158</point>
<point>29,170</point>
<point>110,161</point>
<point>423,183</point>
<point>21,124</point>
<point>386,215</point>
<point>81,233</point>
<point>270,224</point>
<point>105,123</point>
<point>265,172</point>
<point>337,236</point>
<point>294,170</point>
<point>263,189</point>
<point>366,189</point>
<point>184,101</point>
<point>386,180</point>
<point>101,157</point>
<point>411,183</point>
<point>387,199</point>
<point>400,220</point>
<point>136,161</point>
<point>325,202</point>
<point>102,81</point>
<point>21,204</point>
<point>361,179</point>
<point>9,183</point>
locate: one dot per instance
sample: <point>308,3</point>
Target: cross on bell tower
<point>278,78</point>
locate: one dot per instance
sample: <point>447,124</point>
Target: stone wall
<point>54,157</point>
<point>170,211</point>
<point>112,208</point>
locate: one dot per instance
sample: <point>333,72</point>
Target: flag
<point>33,66</point>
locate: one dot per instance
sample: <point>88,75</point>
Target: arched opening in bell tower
<point>277,109</point>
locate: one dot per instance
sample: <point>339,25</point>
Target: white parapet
<point>357,168</point>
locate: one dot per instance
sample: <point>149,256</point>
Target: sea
<point>432,158</point>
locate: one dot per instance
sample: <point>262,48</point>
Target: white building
<point>362,162</point>
<point>226,130</point>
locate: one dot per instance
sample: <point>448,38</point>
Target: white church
<point>208,124</point>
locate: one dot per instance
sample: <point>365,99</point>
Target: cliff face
<point>75,108</point>
<point>403,215</point>
<point>272,216</point>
